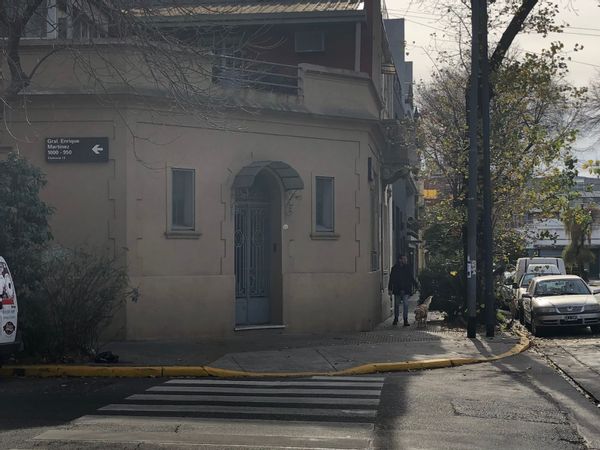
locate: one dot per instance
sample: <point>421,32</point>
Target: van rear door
<point>8,306</point>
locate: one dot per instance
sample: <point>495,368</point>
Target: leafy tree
<point>24,217</point>
<point>534,112</point>
<point>530,138</point>
<point>578,224</point>
<point>565,202</point>
<point>591,118</point>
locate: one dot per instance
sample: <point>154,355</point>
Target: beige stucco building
<point>272,212</point>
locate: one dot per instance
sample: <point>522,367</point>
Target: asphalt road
<point>29,406</point>
<point>516,403</point>
<point>576,352</point>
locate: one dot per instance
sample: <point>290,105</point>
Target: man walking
<point>401,285</point>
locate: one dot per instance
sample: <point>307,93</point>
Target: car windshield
<point>527,278</point>
<point>561,287</point>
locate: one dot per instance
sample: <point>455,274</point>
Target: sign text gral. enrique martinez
<point>76,149</point>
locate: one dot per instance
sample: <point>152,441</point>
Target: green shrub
<point>78,295</point>
<point>447,289</point>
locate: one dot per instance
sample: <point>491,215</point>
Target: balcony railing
<point>412,227</point>
<point>233,72</point>
<point>400,153</point>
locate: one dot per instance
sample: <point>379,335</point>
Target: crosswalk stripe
<point>346,384</point>
<point>342,378</point>
<point>246,426</point>
<point>204,440</point>
<point>208,409</point>
<point>240,390</point>
<point>257,399</point>
<point>204,432</point>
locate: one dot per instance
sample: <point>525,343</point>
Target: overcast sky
<point>583,17</point>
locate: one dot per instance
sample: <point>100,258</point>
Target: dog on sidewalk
<point>421,312</point>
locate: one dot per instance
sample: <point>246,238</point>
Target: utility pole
<point>488,245</point>
<point>471,268</point>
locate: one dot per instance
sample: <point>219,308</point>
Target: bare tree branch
<point>510,33</point>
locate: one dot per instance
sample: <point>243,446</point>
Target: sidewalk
<point>273,353</point>
<point>276,351</point>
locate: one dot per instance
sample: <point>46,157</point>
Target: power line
<point>583,28</point>
<point>565,32</point>
<point>430,26</point>
<point>574,34</point>
<point>432,16</point>
<point>584,63</point>
<point>413,12</point>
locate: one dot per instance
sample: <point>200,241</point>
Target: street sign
<point>76,150</point>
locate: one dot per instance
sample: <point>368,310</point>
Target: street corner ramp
<point>373,367</point>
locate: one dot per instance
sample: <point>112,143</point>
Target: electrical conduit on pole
<point>488,245</point>
<point>471,268</point>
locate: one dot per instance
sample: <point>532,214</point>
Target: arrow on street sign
<point>97,149</point>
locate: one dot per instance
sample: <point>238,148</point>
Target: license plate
<point>570,317</point>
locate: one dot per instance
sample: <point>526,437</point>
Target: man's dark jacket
<point>401,279</point>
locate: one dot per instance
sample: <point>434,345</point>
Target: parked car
<point>521,286</point>
<point>8,311</point>
<point>560,301</point>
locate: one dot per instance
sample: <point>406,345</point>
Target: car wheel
<point>535,330</point>
<point>595,329</point>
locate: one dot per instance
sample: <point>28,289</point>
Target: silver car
<point>518,290</point>
<point>558,301</point>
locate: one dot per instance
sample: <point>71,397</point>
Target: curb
<point>45,371</point>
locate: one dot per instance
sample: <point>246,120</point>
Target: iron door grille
<point>250,250</point>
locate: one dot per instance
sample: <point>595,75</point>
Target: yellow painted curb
<point>185,371</point>
<point>207,371</point>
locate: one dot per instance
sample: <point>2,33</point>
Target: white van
<point>523,265</point>
<point>8,311</point>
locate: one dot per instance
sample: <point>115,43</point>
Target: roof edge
<point>250,19</point>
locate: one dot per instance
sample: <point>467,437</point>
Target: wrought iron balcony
<point>400,153</point>
<point>412,227</point>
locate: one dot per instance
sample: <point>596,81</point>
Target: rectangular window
<point>37,26</point>
<point>63,26</point>
<point>183,199</point>
<point>324,204</point>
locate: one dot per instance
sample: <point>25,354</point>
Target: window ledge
<point>324,235</point>
<point>259,327</point>
<point>182,234</point>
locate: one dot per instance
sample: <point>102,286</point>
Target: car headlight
<point>592,308</point>
<point>545,309</point>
